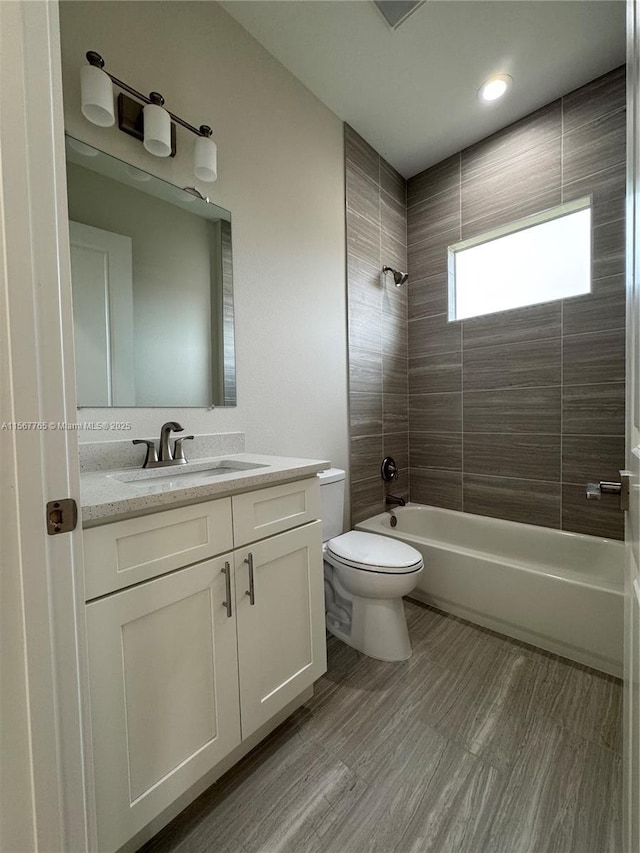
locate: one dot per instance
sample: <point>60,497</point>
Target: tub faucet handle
<point>594,492</point>
<point>389,469</point>
<point>607,487</point>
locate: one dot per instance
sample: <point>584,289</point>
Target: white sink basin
<point>178,476</point>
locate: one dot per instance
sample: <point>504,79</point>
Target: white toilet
<point>365,577</point>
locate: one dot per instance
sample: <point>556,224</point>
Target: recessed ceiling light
<point>494,87</point>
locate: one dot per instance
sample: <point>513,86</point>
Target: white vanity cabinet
<point>163,680</point>
<point>185,666</point>
<point>281,636</point>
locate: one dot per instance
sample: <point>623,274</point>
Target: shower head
<point>399,278</point>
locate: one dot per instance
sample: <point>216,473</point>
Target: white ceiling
<point>412,92</point>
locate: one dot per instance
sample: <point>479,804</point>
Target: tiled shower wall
<point>511,414</point>
<point>376,237</point>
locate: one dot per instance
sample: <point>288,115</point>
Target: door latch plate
<point>62,516</point>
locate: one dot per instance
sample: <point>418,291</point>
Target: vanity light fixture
<point>144,118</point>
<point>494,87</point>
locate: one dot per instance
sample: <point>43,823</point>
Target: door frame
<point>45,768</point>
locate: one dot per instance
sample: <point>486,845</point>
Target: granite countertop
<point>108,496</point>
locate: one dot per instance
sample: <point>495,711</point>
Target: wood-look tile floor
<point>477,744</point>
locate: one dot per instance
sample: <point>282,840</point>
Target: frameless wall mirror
<point>152,283</point>
<point>537,259</point>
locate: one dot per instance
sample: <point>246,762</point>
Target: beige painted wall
<point>281,174</point>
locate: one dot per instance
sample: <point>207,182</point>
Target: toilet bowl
<point>366,576</point>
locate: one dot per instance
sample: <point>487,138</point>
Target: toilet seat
<point>370,552</point>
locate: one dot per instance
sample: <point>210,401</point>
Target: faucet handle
<point>178,449</point>
<point>152,452</point>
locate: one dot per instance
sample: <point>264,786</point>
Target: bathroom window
<point>543,257</point>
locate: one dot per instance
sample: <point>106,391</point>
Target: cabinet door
<point>163,676</point>
<point>281,636</point>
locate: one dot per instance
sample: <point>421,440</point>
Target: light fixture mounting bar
<point>94,58</point>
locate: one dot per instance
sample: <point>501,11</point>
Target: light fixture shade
<point>157,130</point>
<point>205,156</point>
<point>96,93</point>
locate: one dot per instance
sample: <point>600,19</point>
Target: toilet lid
<point>374,552</point>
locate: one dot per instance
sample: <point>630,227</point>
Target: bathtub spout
<point>394,500</point>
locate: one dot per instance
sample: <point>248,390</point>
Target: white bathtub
<point>560,591</point>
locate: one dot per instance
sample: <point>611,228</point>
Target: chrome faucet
<point>165,432</point>
<point>153,460</point>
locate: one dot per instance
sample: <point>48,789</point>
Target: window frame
<point>540,218</point>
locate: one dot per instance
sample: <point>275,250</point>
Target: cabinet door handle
<point>227,580</point>
<point>251,592</point>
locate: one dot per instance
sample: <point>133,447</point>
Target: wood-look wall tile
<point>595,100</point>
<point>365,371</point>
<point>363,195</point>
<point>435,450</point>
<point>365,326</point>
<point>428,296</point>
<point>527,501</point>
<point>535,322</point>
<point>393,217</point>
<point>594,357</point>
<point>367,499</point>
<point>595,518</point>
<point>595,146</point>
<point>396,444</point>
<point>496,217</point>
<point>394,374</point>
<point>435,413</point>
<point>434,374</point>
<point>593,409</point>
<point>364,282</point>
<point>392,182</point>
<point>395,414</point>
<point>365,413</point>
<point>519,410</point>
<point>444,177</point>
<point>394,299</point>
<point>393,253</point>
<point>359,153</point>
<point>365,457</point>
<point>434,336</point>
<point>434,487</point>
<point>542,127</point>
<point>432,216</point>
<point>394,335</point>
<point>608,250</point>
<point>528,457</point>
<point>591,458</point>
<point>604,308</point>
<point>607,190</point>
<point>363,239</point>
<point>431,257</point>
<point>504,183</point>
<point>516,365</point>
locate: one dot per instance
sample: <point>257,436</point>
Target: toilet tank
<point>332,497</point>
